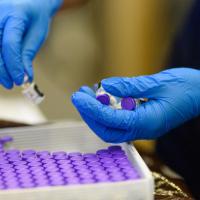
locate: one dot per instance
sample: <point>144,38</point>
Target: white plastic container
<point>77,137</point>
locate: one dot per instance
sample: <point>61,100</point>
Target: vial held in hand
<point>126,103</point>
<point>32,92</point>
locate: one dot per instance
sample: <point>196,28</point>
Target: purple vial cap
<point>102,179</point>
<point>70,175</point>
<point>121,152</point>
<point>6,139</point>
<point>73,181</point>
<point>86,176</point>
<point>102,151</point>
<point>107,161</point>
<point>74,154</point>
<point>2,187</point>
<point>91,159</point>
<point>66,166</point>
<point>57,182</point>
<point>102,156</point>
<point>90,155</point>
<point>48,160</point>
<point>128,103</point>
<point>119,157</point>
<point>19,163</point>
<point>5,165</point>
<point>28,185</point>
<point>97,170</point>
<point>3,162</point>
<point>12,152</point>
<point>79,163</point>
<point>37,168</point>
<point>42,184</point>
<point>34,164</point>
<point>109,165</point>
<point>7,170</point>
<point>3,157</point>
<point>59,153</point>
<point>33,159</point>
<point>104,99</point>
<point>43,153</point>
<point>118,178</point>
<point>12,186</point>
<point>14,159</point>
<point>76,158</point>
<point>115,148</point>
<point>87,181</point>
<point>67,169</point>
<point>61,162</point>
<point>55,175</point>
<point>132,176</point>
<point>28,152</point>
<point>41,179</point>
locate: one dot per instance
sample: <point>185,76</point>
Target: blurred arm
<point>73,3</point>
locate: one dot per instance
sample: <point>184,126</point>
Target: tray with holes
<point>67,161</point>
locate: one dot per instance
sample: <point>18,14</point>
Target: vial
<point>32,92</point>
<point>127,103</point>
<point>106,98</point>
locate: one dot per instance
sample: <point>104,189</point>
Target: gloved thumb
<point>137,87</point>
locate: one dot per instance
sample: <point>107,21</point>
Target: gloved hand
<point>23,28</point>
<point>174,98</point>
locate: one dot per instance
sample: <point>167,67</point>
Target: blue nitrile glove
<point>174,98</point>
<point>23,28</point>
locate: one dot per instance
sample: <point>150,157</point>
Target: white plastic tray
<point>77,137</point>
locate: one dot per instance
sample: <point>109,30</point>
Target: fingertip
<point>75,98</point>
<point>29,72</point>
<point>87,90</point>
<point>84,102</point>
<point>7,84</point>
<point>79,94</point>
<point>28,68</point>
<point>30,78</point>
<point>19,79</point>
<point>83,88</point>
<point>72,96</point>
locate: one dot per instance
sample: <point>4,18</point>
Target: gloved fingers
<point>153,120</point>
<point>148,121</point>
<point>5,79</point>
<point>88,91</point>
<point>33,41</point>
<point>105,133</point>
<point>137,87</point>
<point>120,119</point>
<point>12,48</point>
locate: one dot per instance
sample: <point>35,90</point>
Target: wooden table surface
<point>163,191</point>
